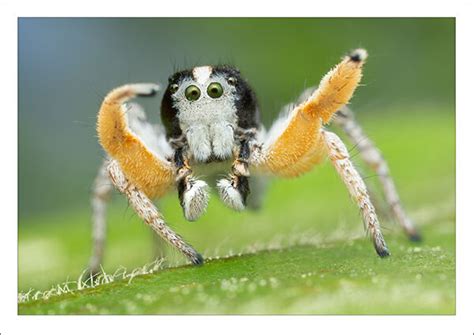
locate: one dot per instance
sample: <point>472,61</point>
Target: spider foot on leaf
<point>415,236</point>
<point>383,252</point>
<point>198,260</point>
<point>410,230</point>
<point>380,246</point>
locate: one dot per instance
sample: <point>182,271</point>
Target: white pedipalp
<point>230,195</point>
<point>195,200</point>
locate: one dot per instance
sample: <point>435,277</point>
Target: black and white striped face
<point>207,104</point>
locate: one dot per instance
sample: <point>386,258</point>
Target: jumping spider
<point>210,115</point>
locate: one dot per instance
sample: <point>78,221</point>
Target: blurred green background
<point>66,66</point>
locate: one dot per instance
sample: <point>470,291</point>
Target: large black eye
<point>214,90</point>
<point>192,93</point>
<point>174,88</point>
<point>232,81</point>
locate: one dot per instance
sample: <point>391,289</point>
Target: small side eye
<point>232,81</point>
<point>192,93</point>
<point>174,88</point>
<point>214,90</point>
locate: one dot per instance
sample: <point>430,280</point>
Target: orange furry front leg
<point>142,167</point>
<point>336,87</point>
<point>298,145</point>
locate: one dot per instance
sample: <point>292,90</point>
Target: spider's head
<point>207,94</point>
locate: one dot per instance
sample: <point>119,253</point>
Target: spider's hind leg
<point>150,214</point>
<point>373,158</point>
<point>340,159</point>
<point>101,190</point>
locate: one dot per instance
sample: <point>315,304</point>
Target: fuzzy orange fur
<point>300,146</point>
<point>144,169</point>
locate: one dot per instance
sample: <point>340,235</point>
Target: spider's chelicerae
<point>210,116</point>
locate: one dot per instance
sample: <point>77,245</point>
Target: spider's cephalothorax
<point>210,114</point>
<point>207,107</point>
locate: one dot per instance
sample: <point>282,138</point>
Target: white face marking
<point>202,73</point>
<point>208,123</point>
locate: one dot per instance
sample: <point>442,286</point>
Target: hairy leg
<point>292,145</point>
<point>149,213</point>
<point>101,190</point>
<point>235,189</point>
<point>148,170</point>
<point>340,159</point>
<point>374,159</point>
<point>193,193</point>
